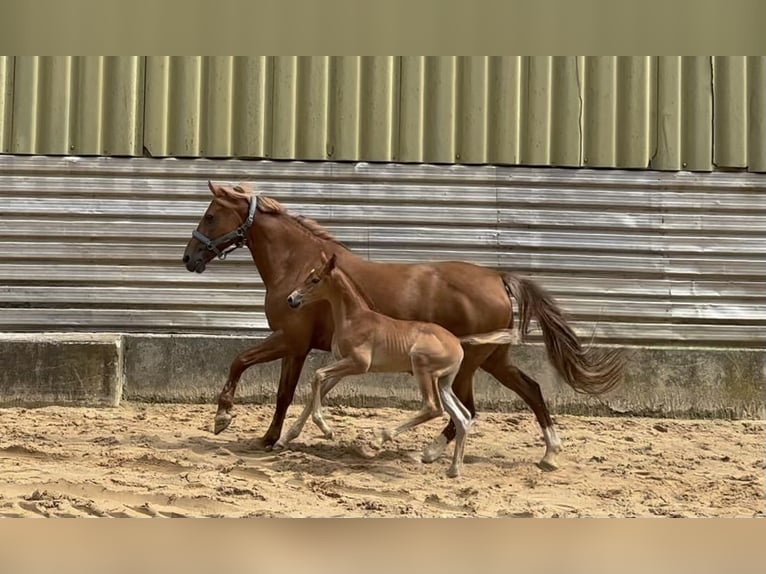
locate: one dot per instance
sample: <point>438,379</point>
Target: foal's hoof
<point>435,449</point>
<point>453,472</point>
<point>381,435</point>
<point>222,422</point>
<point>548,465</point>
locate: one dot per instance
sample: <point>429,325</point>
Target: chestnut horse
<point>461,297</point>
<point>365,341</point>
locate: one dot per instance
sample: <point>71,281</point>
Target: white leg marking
<point>552,449</point>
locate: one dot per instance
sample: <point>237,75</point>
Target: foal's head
<point>228,211</point>
<point>316,286</point>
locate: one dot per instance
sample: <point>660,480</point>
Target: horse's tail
<point>499,337</point>
<point>592,371</point>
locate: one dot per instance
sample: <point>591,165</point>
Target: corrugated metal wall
<point>666,113</point>
<point>635,256</point>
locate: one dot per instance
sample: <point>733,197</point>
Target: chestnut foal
<point>367,341</point>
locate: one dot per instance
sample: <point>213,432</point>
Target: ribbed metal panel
<point>641,257</point>
<point>667,113</point>
<point>72,105</point>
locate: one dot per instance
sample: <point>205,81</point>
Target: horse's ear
<point>323,256</point>
<point>333,260</point>
<point>214,189</point>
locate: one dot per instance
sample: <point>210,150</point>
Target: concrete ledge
<point>60,369</point>
<point>660,381</point>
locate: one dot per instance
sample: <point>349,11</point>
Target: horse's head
<point>316,285</point>
<point>223,227</point>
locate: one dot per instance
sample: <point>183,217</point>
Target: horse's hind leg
<point>499,365</point>
<point>460,416</point>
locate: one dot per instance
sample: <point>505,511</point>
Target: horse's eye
<point>315,279</point>
<point>209,218</point>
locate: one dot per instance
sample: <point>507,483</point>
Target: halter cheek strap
<point>238,235</point>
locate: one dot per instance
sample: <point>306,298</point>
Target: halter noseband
<point>238,235</point>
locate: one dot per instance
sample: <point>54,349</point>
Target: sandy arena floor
<point>162,460</point>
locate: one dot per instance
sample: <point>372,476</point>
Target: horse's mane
<point>270,205</point>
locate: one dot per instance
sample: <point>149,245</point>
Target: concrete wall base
<point>83,369</point>
<point>60,369</point>
<point>660,381</point>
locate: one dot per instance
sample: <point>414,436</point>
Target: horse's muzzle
<point>294,300</point>
<point>194,265</point>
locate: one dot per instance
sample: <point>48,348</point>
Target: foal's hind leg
<point>499,365</point>
<point>460,417</point>
<point>463,388</point>
<point>430,406</point>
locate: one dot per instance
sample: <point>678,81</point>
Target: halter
<point>238,235</point>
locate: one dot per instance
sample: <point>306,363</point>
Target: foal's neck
<point>345,298</point>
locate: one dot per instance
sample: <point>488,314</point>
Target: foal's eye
<point>315,279</point>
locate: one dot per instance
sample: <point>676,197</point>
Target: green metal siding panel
<point>600,114</point>
<point>634,111</point>
<point>756,133</point>
<point>504,103</point>
<point>440,109</point>
<point>411,110</point>
<point>472,120</point>
<point>312,109</point>
<point>6,102</point>
<point>697,113</point>
<point>344,132</point>
<point>377,114</point>
<point>566,131</point>
<point>730,111</point>
<point>284,107</point>
<point>668,113</point>
<point>77,105</point>
<point>536,111</point>
<point>251,122</point>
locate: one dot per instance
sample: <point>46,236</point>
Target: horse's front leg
<point>275,346</point>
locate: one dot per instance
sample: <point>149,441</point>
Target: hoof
<point>277,446</point>
<point>222,422</point>
<point>453,472</point>
<point>329,434</point>
<point>434,450</point>
<point>548,465</point>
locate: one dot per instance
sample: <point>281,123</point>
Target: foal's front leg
<point>332,373</point>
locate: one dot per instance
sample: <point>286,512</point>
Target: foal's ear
<point>331,263</point>
<point>323,256</point>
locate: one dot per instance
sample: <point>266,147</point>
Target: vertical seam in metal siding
<point>144,150</point>
<point>653,155</point>
<point>12,102</point>
<point>582,104</point>
<point>712,112</point>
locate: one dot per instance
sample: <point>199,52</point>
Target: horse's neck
<point>346,301</point>
<point>279,250</point>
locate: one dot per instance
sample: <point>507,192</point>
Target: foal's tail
<point>592,371</point>
<point>499,337</point>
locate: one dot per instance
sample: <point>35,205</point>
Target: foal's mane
<point>354,287</point>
